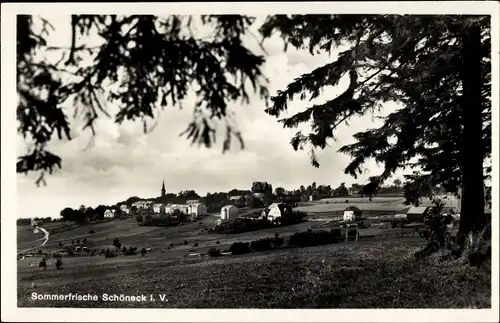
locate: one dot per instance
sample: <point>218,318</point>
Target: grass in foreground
<point>354,275</point>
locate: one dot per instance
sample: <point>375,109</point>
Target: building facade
<point>228,212</point>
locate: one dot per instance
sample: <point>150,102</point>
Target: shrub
<point>213,252</point>
<point>240,248</point>
<point>139,218</point>
<point>78,241</point>
<point>171,245</point>
<point>278,242</point>
<point>60,244</point>
<point>185,242</point>
<point>313,238</point>
<point>124,249</point>
<point>117,243</point>
<point>262,244</point>
<point>217,242</point>
<point>85,241</point>
<point>336,232</point>
<point>59,263</point>
<point>143,251</point>
<point>195,244</point>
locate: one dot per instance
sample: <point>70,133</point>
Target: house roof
<point>158,204</point>
<point>228,207</point>
<point>417,210</point>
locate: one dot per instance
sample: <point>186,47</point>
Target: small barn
<point>417,213</point>
<point>228,212</point>
<point>351,214</point>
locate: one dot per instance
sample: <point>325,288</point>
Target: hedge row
<point>315,238</point>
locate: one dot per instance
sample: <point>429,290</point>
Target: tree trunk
<point>472,208</point>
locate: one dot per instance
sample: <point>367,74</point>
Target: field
<point>378,273</point>
<point>380,205</point>
<point>352,275</point>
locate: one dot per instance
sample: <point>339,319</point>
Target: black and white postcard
<point>244,162</point>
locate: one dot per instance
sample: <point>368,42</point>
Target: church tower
<point>163,191</point>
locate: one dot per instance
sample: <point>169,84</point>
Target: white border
<point>10,312</point>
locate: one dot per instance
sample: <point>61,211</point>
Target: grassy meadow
<point>369,273</point>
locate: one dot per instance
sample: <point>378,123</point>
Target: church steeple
<point>163,190</point>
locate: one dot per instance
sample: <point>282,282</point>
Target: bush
<point>85,241</point>
<point>117,243</point>
<point>262,244</point>
<point>139,218</point>
<point>278,242</point>
<point>213,252</point>
<point>240,248</point>
<point>185,242</point>
<point>59,263</point>
<point>195,244</point>
<point>336,232</point>
<point>217,242</point>
<point>91,232</point>
<point>143,252</point>
<point>124,249</point>
<point>313,238</point>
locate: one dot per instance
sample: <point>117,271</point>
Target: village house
<point>417,213</point>
<point>228,212</point>
<point>193,201</point>
<point>197,209</point>
<point>170,208</point>
<point>124,209</point>
<point>276,211</point>
<point>142,204</point>
<point>109,214</point>
<point>159,208</point>
<point>351,214</point>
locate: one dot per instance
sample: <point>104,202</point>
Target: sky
<point>121,161</point>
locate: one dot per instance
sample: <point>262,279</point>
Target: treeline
<point>85,214</point>
<point>27,221</point>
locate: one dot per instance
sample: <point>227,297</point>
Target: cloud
<point>121,161</point>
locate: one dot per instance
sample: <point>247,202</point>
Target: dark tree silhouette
<point>151,62</point>
<point>436,67</point>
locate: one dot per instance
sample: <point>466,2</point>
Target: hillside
<point>355,275</point>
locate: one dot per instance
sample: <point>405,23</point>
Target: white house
<point>197,209</point>
<point>159,208</point>
<point>124,209</point>
<point>194,201</point>
<point>108,214</point>
<point>142,204</point>
<point>277,210</point>
<point>228,212</point>
<point>170,208</point>
<point>351,214</point>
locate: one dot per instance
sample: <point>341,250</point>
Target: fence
<point>409,234</point>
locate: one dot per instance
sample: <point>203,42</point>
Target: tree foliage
<point>436,68</point>
<point>142,63</point>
